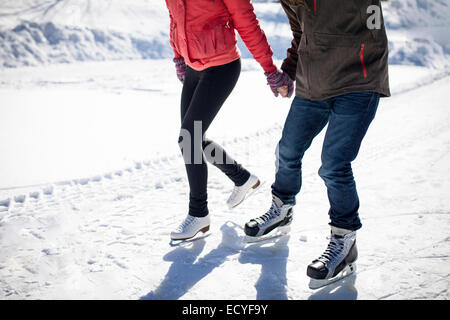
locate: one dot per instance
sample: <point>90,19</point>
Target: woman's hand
<point>280,83</point>
<point>180,67</point>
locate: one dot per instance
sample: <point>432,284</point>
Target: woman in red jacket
<point>202,34</point>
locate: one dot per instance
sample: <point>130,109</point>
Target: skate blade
<point>201,234</point>
<point>279,232</point>
<point>252,191</point>
<point>317,284</point>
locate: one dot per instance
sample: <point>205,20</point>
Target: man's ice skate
<point>240,193</point>
<point>189,228</point>
<point>274,223</point>
<point>338,260</point>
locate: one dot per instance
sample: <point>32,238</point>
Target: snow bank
<point>36,32</point>
<point>33,44</point>
<point>418,32</point>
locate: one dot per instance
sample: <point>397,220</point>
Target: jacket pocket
<point>213,41</point>
<point>336,40</point>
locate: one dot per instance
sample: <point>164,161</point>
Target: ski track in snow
<point>107,236</point>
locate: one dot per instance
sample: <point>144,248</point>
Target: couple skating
<point>339,66</point>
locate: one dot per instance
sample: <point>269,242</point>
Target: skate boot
<point>338,260</point>
<point>239,193</point>
<point>278,217</point>
<point>190,227</point>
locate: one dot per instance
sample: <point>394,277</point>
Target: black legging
<point>204,93</point>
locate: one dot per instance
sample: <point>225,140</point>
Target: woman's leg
<point>213,152</point>
<point>190,84</point>
<point>207,91</point>
<point>217,156</point>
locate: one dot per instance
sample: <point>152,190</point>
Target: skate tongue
<point>340,232</point>
<point>277,201</point>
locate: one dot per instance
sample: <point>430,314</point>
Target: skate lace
<point>274,211</point>
<point>334,248</point>
<point>185,223</point>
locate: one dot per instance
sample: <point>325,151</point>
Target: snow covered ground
<point>91,181</point>
<point>102,231</point>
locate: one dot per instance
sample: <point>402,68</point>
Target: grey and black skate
<point>278,218</point>
<point>338,260</point>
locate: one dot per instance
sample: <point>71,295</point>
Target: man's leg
<point>305,120</point>
<point>350,118</point>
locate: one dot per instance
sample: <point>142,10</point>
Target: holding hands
<point>280,83</point>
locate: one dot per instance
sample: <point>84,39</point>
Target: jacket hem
<point>331,94</point>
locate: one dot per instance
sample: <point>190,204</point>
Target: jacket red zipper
<point>315,5</point>
<point>361,57</point>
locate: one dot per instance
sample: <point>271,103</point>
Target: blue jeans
<point>348,117</point>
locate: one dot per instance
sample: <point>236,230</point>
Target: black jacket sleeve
<point>290,63</point>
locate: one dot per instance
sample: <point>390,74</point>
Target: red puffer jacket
<point>202,32</point>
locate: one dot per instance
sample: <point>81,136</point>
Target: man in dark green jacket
<point>339,60</point>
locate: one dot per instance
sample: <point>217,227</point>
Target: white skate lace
<point>274,211</point>
<point>333,250</point>
<point>185,223</point>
